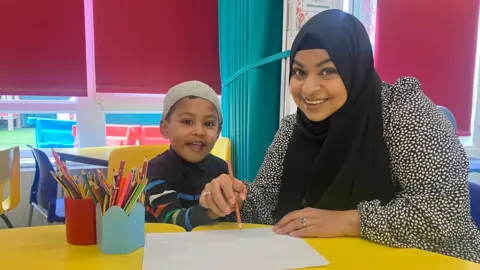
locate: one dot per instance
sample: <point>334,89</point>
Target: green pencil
<point>134,197</point>
<point>130,197</point>
<point>85,180</point>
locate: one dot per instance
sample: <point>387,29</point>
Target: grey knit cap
<point>187,89</point>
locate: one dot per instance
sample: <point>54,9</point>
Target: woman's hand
<point>219,196</point>
<point>311,222</point>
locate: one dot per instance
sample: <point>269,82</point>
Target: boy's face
<point>192,128</point>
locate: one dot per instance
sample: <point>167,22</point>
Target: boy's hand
<point>219,195</point>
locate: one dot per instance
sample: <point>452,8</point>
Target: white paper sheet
<point>230,249</point>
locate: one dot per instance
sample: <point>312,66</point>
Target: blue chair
<point>449,116</point>
<point>474,162</point>
<point>43,194</point>
<point>474,167</point>
<point>475,202</point>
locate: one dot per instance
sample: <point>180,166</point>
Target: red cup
<point>80,222</point>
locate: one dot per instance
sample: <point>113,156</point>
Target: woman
<point>359,158</point>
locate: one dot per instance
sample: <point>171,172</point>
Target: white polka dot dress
<point>428,163</point>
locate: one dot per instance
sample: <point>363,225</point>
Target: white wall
<point>19,216</point>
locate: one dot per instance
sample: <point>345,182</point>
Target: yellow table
<point>358,254</point>
<point>46,248</point>
<point>97,156</point>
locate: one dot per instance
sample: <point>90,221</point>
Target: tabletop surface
<point>45,247</point>
<point>102,152</point>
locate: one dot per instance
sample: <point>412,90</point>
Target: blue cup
<point>118,233</point>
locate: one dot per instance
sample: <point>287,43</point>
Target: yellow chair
<point>9,173</point>
<point>134,155</point>
<point>222,148</point>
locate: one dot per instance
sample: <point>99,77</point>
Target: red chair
<point>74,134</point>
<point>150,135</point>
<point>122,134</point>
<point>117,135</point>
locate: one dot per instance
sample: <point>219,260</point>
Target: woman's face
<point>315,85</point>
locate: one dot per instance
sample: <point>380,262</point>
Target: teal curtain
<point>250,34</point>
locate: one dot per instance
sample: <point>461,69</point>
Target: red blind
<point>435,42</point>
<point>42,48</point>
<point>149,46</point>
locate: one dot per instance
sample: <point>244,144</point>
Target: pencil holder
<point>80,221</point>
<point>118,233</point>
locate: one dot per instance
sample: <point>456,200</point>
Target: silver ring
<point>206,193</point>
<point>303,220</point>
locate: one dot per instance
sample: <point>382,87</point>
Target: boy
<point>192,120</point>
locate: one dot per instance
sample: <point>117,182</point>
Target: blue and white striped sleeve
<point>163,203</point>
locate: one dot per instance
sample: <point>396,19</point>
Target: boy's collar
<point>174,155</point>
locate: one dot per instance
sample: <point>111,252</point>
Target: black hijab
<point>338,162</point>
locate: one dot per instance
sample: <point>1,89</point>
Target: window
<point>15,131</point>
<point>41,130</point>
<point>366,12</point>
<point>133,128</point>
<point>373,22</point>
<point>95,109</point>
<point>429,27</point>
<point>43,98</point>
<point>472,142</point>
<point>19,116</point>
<point>141,119</point>
<point>346,5</point>
<point>90,83</point>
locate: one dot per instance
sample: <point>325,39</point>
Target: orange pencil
<point>237,209</point>
<point>105,203</point>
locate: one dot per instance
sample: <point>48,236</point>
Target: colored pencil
<point>105,200</point>
<point>123,192</point>
<point>135,196</point>
<point>120,169</point>
<point>91,192</point>
<point>65,189</point>
<point>144,168</point>
<point>237,208</point>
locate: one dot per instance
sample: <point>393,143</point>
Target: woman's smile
<point>314,104</point>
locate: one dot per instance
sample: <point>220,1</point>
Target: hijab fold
<point>336,163</point>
